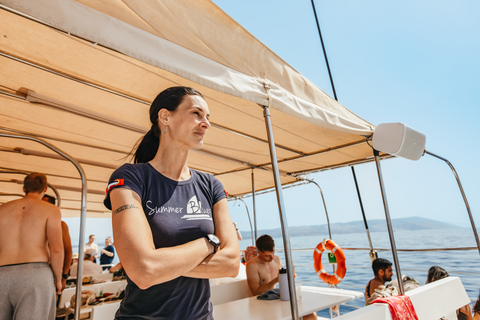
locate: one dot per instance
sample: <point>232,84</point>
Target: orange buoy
<point>317,262</point>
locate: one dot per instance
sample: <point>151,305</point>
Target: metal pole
<point>254,208</point>
<point>474,228</point>
<point>389,222</point>
<point>373,253</point>
<point>328,225</point>
<point>83,215</point>
<point>283,217</point>
<point>249,220</point>
<point>324,205</point>
<point>324,51</point>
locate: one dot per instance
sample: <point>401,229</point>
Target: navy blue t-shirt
<point>177,212</point>
<point>104,259</point>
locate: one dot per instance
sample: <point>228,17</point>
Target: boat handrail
<point>83,209</point>
<point>387,249</point>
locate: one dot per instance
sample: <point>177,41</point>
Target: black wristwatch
<point>66,275</point>
<point>214,241</point>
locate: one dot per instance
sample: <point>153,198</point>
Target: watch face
<point>215,242</point>
<point>214,238</point>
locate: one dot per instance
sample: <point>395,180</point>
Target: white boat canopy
<point>81,74</point>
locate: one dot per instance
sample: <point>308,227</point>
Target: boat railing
<point>386,249</point>
<point>406,270</point>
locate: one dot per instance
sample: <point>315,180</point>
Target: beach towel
<point>392,289</point>
<point>401,307</point>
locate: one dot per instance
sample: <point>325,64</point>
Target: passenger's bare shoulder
<point>11,209</point>
<point>252,263</point>
<point>375,284</point>
<point>11,204</point>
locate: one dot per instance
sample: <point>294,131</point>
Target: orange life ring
<point>317,262</point>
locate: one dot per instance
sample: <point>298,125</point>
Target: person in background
<point>239,235</point>
<point>31,256</point>
<point>107,254</point>
<point>74,258</point>
<point>91,245</point>
<point>476,309</point>
<point>171,223</point>
<point>117,270</point>
<point>436,273</point>
<point>262,270</point>
<point>67,246</point>
<point>382,269</point>
<point>90,268</point>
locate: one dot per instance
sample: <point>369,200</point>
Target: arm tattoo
<point>124,207</point>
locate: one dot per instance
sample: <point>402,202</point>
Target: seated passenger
<point>263,269</point>
<point>476,309</point>
<point>74,258</point>
<point>382,269</point>
<point>436,273</point>
<point>90,268</point>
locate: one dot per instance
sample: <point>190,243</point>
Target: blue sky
<point>415,62</point>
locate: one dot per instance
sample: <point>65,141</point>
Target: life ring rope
<point>339,256</point>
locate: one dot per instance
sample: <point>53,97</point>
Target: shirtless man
<point>30,237</point>
<point>262,271</point>
<point>67,246</point>
<point>382,269</point>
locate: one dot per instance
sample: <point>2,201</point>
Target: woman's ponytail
<point>148,146</point>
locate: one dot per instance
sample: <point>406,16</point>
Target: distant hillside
<point>411,223</point>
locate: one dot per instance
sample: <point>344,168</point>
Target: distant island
<point>376,225</point>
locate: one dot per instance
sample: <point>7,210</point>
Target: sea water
<point>463,264</point>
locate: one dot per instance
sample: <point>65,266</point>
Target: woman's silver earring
<point>166,127</point>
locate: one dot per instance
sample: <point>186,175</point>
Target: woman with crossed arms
<point>171,224</point>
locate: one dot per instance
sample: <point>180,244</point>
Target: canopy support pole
<point>328,225</point>
<point>249,220</point>
<point>283,217</point>
<point>373,253</point>
<point>474,228</point>
<point>254,209</point>
<point>83,215</point>
<point>389,222</point>
<point>324,205</point>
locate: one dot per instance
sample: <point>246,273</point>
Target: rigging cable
<point>324,52</point>
<point>373,253</point>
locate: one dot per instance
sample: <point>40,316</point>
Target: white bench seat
<point>431,302</point>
